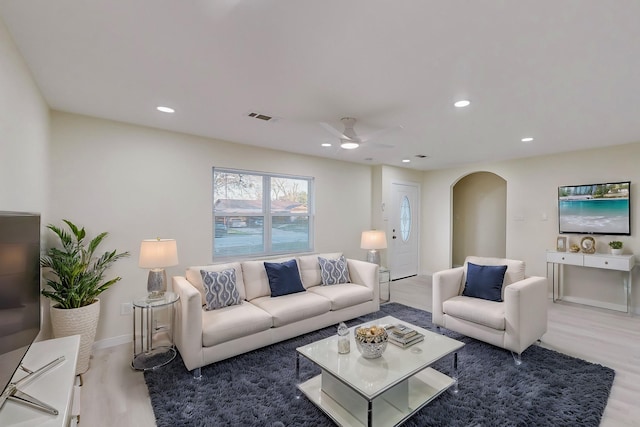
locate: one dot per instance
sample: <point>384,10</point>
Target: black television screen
<point>19,290</point>
<point>595,208</point>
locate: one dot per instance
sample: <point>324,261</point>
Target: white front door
<point>404,228</point>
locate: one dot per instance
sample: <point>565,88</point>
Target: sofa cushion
<point>334,271</point>
<point>284,277</point>
<point>310,268</point>
<point>233,322</point>
<point>194,277</point>
<point>220,288</point>
<point>484,281</point>
<point>483,312</point>
<point>293,307</point>
<point>255,278</point>
<point>345,295</point>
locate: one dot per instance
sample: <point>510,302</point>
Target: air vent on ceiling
<point>421,156</point>
<point>260,116</point>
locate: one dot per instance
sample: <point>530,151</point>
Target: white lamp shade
<point>158,253</point>
<point>373,239</point>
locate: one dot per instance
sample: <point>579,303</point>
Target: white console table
<point>55,387</point>
<point>624,263</point>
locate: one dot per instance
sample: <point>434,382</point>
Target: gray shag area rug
<point>259,388</point>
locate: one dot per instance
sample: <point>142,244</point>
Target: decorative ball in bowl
<point>371,341</point>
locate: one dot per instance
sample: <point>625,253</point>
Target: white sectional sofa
<point>206,336</point>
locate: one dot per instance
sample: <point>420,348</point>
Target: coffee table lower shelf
<point>422,388</point>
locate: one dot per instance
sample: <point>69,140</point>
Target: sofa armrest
<point>188,326</point>
<point>446,285</point>
<point>365,273</point>
<point>525,312</point>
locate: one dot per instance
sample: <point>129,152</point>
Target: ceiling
<point>564,72</point>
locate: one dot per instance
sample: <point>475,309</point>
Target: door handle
<point>393,237</point>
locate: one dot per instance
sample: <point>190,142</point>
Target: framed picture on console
<point>561,244</point>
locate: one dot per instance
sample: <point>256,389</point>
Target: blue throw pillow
<point>220,288</point>
<point>284,278</point>
<point>484,281</point>
<point>334,271</point>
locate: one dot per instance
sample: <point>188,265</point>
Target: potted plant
<point>616,247</point>
<point>74,277</point>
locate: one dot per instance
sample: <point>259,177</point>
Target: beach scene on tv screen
<point>601,208</point>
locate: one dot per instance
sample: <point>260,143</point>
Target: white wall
<point>138,183</point>
<point>531,197</point>
<point>24,134</point>
<point>24,141</point>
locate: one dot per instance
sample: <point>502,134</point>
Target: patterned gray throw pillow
<point>334,271</point>
<point>220,288</point>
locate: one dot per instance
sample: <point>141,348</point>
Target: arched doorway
<point>479,216</point>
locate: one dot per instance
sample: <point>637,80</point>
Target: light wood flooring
<point>115,395</point>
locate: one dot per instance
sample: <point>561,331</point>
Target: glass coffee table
<point>354,391</point>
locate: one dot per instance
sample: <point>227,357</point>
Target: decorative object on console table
<point>74,277</point>
<point>616,247</point>
<point>373,240</point>
<point>588,245</point>
<point>157,254</point>
<point>561,244</point>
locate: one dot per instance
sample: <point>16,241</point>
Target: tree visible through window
<point>261,214</point>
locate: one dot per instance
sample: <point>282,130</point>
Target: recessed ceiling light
<point>406,161</point>
<point>349,145</point>
<point>462,103</point>
<point>326,144</point>
<point>165,109</point>
<point>527,139</point>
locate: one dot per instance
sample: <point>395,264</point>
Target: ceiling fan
<point>349,140</point>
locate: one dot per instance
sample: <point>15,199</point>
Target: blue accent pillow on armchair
<point>484,281</point>
<point>284,277</point>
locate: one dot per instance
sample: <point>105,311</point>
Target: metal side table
<point>153,345</point>
<point>384,279</point>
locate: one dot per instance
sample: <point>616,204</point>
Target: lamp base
<point>373,256</point>
<point>156,283</point>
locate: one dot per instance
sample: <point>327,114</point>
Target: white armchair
<point>514,324</point>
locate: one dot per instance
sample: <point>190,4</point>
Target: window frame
<point>266,213</point>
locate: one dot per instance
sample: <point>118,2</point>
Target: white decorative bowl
<point>371,341</point>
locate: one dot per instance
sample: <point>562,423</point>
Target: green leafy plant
<point>615,244</point>
<point>77,273</point>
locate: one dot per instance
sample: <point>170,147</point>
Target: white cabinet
<point>55,387</point>
<point>624,263</point>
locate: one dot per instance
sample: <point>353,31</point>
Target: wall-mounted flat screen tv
<point>595,208</point>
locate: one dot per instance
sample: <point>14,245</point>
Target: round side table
<point>153,345</point>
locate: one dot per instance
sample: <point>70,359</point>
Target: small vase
<point>616,251</point>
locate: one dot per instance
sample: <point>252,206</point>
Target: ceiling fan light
<point>349,145</point>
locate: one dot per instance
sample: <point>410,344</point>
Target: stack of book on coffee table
<point>403,336</point>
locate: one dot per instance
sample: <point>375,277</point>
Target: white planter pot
<point>81,321</point>
<point>616,251</point>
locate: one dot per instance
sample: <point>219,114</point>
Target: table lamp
<point>373,240</point>
<point>157,254</point>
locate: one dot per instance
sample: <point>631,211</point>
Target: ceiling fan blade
<point>380,145</point>
<point>379,133</point>
<point>334,131</point>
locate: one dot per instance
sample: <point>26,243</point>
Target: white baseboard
<point>112,342</point>
<point>594,303</point>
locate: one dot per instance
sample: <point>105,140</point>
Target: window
<point>405,219</point>
<point>261,214</point>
